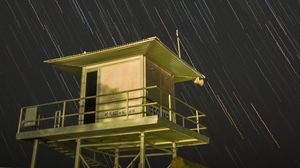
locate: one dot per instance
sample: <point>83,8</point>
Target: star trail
<point>248,50</point>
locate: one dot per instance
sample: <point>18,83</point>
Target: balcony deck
<point>162,126</point>
<point>158,130</point>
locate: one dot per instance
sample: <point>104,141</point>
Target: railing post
<point>81,111</point>
<point>20,120</point>
<point>127,104</point>
<point>144,101</point>
<point>59,119</point>
<point>197,120</point>
<point>63,114</point>
<point>55,119</point>
<point>38,121</point>
<point>160,110</point>
<point>170,107</point>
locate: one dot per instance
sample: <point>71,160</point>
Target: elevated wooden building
<point>127,108</point>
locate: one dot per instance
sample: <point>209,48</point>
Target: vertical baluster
<point>38,121</point>
<point>127,104</point>
<point>197,120</point>
<point>170,107</point>
<point>63,114</point>
<point>160,110</point>
<point>55,118</point>
<point>58,118</point>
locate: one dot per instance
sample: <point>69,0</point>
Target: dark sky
<point>248,50</point>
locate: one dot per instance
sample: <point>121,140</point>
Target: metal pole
<point>38,121</point>
<point>147,161</point>
<point>197,120</point>
<point>174,150</point>
<point>55,119</point>
<point>133,160</point>
<point>117,156</point>
<point>84,162</point>
<point>63,114</point>
<point>77,154</point>
<point>178,43</point>
<point>160,110</point>
<point>59,119</point>
<point>142,150</point>
<point>170,107</point>
<point>34,152</point>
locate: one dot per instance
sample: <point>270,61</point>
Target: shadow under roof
<point>151,47</point>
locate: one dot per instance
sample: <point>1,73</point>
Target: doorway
<point>90,90</point>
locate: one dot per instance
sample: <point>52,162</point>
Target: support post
<point>34,153</point>
<point>117,156</point>
<point>170,107</point>
<point>77,154</point>
<point>174,150</point>
<point>142,150</point>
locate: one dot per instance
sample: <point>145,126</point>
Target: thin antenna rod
<point>178,43</point>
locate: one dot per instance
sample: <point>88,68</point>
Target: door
<point>90,103</point>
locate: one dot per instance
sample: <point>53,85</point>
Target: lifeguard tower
<point>127,108</point>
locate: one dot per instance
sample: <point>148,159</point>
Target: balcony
<point>125,114</point>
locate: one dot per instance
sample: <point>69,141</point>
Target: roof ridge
<point>104,49</point>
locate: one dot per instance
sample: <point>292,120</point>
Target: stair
<point>70,152</point>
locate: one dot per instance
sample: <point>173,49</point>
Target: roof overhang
<point>152,48</point>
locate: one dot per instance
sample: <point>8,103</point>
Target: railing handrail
<point>115,93</point>
<point>89,97</point>
<point>188,118</point>
<point>181,101</point>
<point>168,110</point>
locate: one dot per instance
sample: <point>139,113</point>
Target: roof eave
<point>74,65</point>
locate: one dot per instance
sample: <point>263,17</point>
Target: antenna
<point>178,43</point>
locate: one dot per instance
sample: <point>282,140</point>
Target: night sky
<point>248,50</point>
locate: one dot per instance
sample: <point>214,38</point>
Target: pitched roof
<point>151,47</point>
